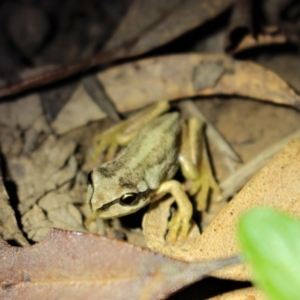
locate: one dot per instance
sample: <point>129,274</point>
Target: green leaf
<point>271,244</point>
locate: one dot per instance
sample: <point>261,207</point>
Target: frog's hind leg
<point>122,133</point>
<point>139,120</point>
<point>180,223</point>
<point>195,164</point>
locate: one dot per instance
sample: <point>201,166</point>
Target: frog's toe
<point>202,196</point>
<point>179,227</point>
<point>201,187</point>
<point>173,229</point>
<point>112,151</point>
<point>99,149</point>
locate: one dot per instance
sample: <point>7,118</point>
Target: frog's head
<point>111,195</point>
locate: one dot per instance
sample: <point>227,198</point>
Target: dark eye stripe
<point>105,207</point>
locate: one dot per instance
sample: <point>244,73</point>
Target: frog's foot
<point>95,225</point>
<point>107,142</point>
<point>179,224</point>
<point>90,223</point>
<point>178,227</point>
<point>201,186</point>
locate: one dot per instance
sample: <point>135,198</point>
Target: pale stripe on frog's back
<point>153,141</point>
<point>152,156</point>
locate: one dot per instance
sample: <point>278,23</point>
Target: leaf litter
<point>43,206</point>
<point>45,143</point>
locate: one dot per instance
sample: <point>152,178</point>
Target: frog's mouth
<point>89,194</point>
<point>115,209</point>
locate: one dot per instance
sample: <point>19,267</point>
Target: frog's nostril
<point>100,209</point>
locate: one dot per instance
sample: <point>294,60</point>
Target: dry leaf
<point>24,113</point>
<point>61,211</point>
<point>8,224</point>
<point>276,185</point>
<point>251,293</point>
<point>72,265</point>
<point>35,223</point>
<point>49,167</point>
<point>79,111</point>
<point>249,41</point>
<point>159,213</point>
<point>150,24</point>
<point>238,179</point>
<point>23,117</point>
<point>133,85</point>
<point>247,31</point>
<point>146,25</point>
<point>214,136</point>
<point>54,210</point>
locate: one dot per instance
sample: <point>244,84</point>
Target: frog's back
<point>153,154</point>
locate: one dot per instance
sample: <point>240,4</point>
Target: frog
<point>156,144</point>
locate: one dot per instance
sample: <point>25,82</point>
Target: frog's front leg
<point>195,163</point>
<point>180,223</point>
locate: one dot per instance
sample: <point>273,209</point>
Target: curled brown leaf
<point>73,265</point>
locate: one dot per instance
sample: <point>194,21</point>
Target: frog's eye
<point>128,199</point>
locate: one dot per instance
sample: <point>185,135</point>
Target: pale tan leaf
<point>133,85</point>
<point>242,294</point>
<point>276,185</point>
